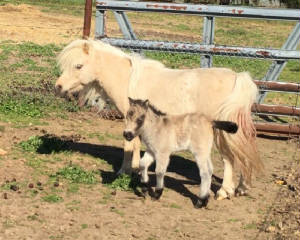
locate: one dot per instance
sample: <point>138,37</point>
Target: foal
<point>164,134</point>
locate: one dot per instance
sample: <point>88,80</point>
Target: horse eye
<point>130,114</point>
<point>140,120</point>
<point>78,66</point>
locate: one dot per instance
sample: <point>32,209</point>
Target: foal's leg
<point>162,162</point>
<point>145,162</point>
<point>206,169</point>
<point>227,188</point>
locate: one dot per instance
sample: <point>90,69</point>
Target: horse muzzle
<point>128,135</point>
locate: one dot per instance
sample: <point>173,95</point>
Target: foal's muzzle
<point>128,135</point>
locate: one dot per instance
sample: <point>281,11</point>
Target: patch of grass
<point>250,226</point>
<point>84,226</point>
<point>124,182</point>
<point>73,188</point>
<point>52,198</point>
<point>44,144</point>
<point>75,174</point>
<point>174,205</point>
<point>113,209</point>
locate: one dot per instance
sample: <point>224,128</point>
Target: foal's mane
<point>156,111</point>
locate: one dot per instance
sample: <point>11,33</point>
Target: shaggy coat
<point>164,134</point>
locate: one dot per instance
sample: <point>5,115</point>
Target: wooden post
<point>87,18</point>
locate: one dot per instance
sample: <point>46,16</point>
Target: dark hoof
<point>241,192</point>
<point>144,189</point>
<point>202,202</point>
<point>157,194</point>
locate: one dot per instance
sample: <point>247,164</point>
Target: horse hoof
<point>223,194</point>
<point>202,202</point>
<point>241,191</point>
<point>157,193</point>
<point>144,189</point>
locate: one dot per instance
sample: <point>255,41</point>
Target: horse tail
<point>240,148</point>
<point>226,126</point>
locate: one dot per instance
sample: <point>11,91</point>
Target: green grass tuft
<point>75,174</point>
<point>52,198</point>
<point>124,182</point>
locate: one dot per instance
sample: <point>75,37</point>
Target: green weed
<point>75,174</point>
<point>124,182</point>
<point>44,144</point>
<point>52,198</point>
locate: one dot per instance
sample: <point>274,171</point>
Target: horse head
<point>77,71</point>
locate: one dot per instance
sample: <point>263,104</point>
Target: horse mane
<point>74,50</point>
<point>156,111</point>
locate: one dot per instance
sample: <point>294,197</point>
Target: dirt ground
<point>271,211</point>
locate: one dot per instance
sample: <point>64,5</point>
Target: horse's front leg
<point>131,156</point>
<point>227,188</point>
<point>136,154</point>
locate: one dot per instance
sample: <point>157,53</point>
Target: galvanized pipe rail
<point>203,49</point>
<point>199,9</point>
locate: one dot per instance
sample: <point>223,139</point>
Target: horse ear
<point>86,48</point>
<point>130,100</point>
<point>146,103</point>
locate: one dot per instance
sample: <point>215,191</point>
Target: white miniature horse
<point>164,134</point>
<point>218,93</point>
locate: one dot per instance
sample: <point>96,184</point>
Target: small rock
<point>97,226</point>
<point>30,185</point>
<point>270,229</point>
<point>39,183</point>
<point>292,188</point>
<point>56,184</point>
<point>114,193</point>
<point>5,196</point>
<point>2,152</point>
<point>14,188</point>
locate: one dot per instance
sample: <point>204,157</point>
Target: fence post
<point>87,18</point>
<point>277,66</point>
<point>208,38</point>
<point>100,30</point>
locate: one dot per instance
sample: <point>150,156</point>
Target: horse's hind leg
<point>227,188</point>
<point>242,188</point>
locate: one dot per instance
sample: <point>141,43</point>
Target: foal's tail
<point>240,148</point>
<point>227,126</point>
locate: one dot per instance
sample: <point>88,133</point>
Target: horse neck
<point>150,127</point>
<point>114,73</point>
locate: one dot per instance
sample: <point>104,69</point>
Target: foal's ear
<point>146,103</point>
<point>86,48</point>
<point>131,101</point>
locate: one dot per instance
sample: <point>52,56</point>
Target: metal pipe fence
<point>269,61</point>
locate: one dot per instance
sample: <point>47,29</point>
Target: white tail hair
<point>240,148</point>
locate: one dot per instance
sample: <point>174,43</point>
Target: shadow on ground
<point>114,156</point>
